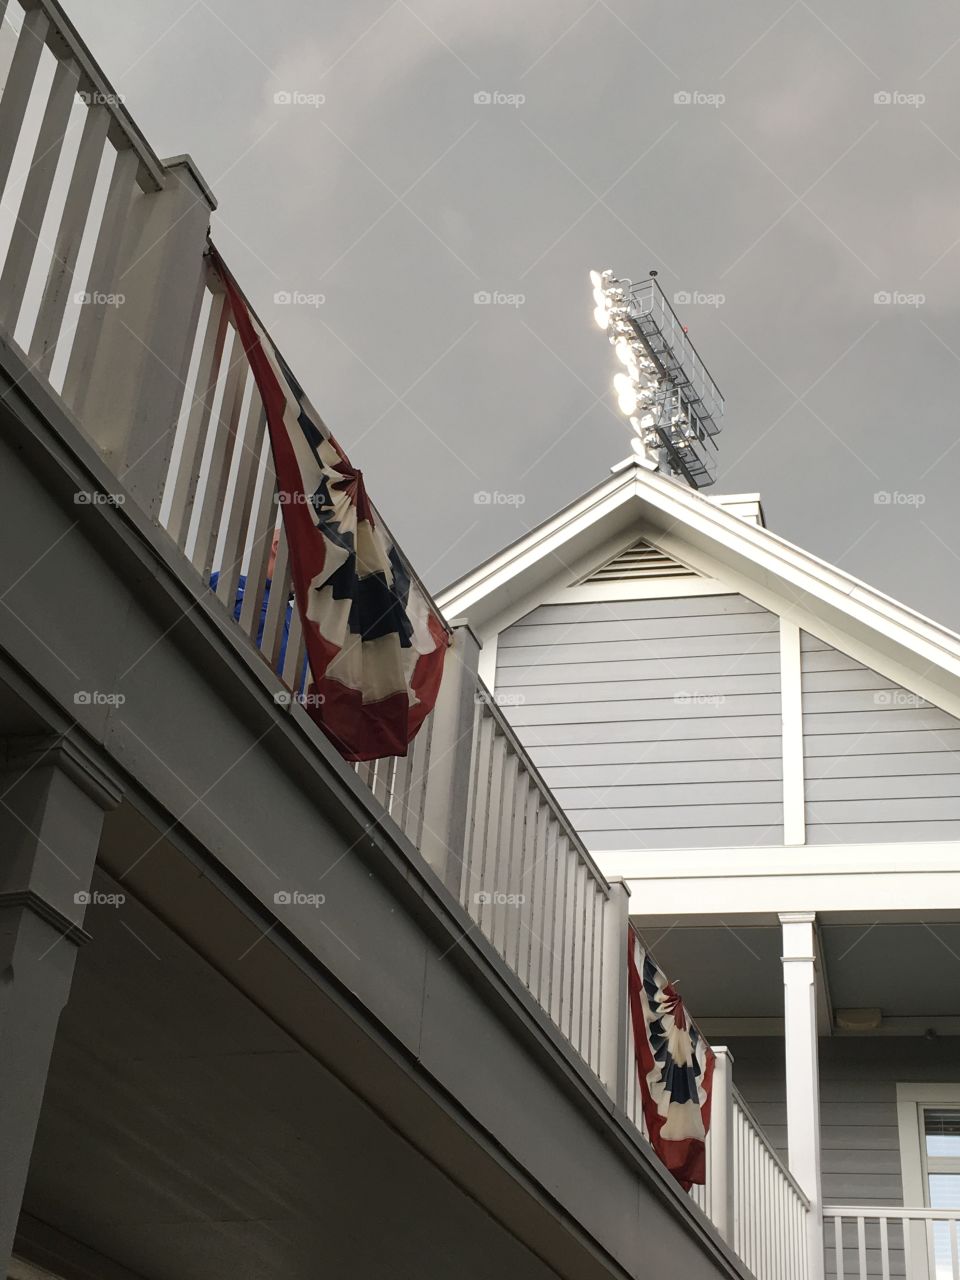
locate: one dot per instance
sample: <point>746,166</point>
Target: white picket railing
<point>770,1211</point>
<point>913,1244</point>
<point>533,889</point>
<point>104,288</point>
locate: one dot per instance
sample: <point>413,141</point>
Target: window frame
<point>912,1100</point>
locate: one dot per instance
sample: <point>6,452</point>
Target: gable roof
<point>703,535</point>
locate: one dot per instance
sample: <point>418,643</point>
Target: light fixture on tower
<point>664,388</point>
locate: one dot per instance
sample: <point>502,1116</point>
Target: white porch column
<point>803,1076</point>
<point>53,796</point>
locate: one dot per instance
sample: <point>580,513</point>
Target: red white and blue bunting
<point>674,1068</point>
<point>374,641</point>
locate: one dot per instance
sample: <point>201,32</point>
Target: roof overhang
<point>717,542</point>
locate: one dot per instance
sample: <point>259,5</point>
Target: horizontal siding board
<point>839,681</point>
<point>880,832</point>
<point>889,787</point>
<point>614,628</point>
<point>877,721</point>
<point>638,669</point>
<point>829,660</point>
<point>639,710</point>
<point>895,764</point>
<point>876,701</point>
<point>935,809</point>
<point>685,772</point>
<point>678,795</point>
<point>852,745</point>
<point>564,649</point>
<point>684,837</point>
<point>747,728</point>
<point>695,690</point>
<point>675,817</point>
<point>651,750</point>
<point>705,606</point>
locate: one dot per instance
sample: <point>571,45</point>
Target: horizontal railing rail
<point>863,1241</point>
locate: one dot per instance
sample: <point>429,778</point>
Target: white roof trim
<point>636,503</point>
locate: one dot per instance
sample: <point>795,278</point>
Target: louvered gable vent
<point>640,561</point>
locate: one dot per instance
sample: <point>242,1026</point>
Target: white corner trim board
<point>791,716</point>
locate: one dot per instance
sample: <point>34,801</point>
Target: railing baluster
<point>36,193</point>
<point>221,457</point>
<point>238,524</point>
<point>16,92</point>
<point>187,475</point>
<point>884,1250</point>
<point>101,279</point>
<point>862,1246</point>
<point>56,290</point>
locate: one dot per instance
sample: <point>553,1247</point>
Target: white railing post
<point>447,783</point>
<point>721,1172</point>
<point>130,404</point>
<point>614,1012</point>
<point>803,1080</point>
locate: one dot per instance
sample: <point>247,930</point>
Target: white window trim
<point>910,1099</point>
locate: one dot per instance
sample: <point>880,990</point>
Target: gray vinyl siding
<point>879,763</point>
<point>655,722</point>
<point>859,1139</point>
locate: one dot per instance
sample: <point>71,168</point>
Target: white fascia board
<point>764,558</point>
<point>760,860</point>
<point>544,541</point>
<point>761,883</point>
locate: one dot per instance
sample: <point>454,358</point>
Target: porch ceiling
<point>184,1134</point>
<point>904,969</point>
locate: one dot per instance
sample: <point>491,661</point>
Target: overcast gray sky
<point>797,198</point>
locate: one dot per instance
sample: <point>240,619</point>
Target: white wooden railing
<point>750,1195</point>
<point>105,291</point>
<point>916,1244</point>
<point>770,1212</point>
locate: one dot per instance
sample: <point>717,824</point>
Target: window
<point>941,1151</point>
<point>928,1117</point>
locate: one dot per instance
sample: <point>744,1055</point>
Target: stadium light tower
<point>664,388</point>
